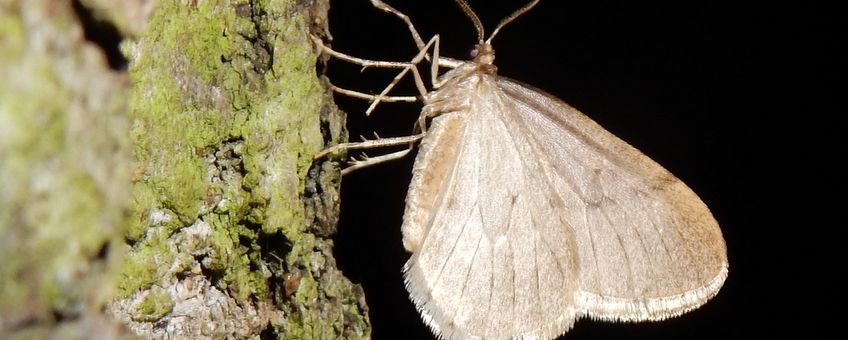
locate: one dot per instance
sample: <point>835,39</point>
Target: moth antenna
<point>510,18</point>
<point>477,23</point>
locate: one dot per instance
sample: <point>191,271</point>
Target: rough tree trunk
<point>176,197</point>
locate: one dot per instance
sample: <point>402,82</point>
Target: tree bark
<point>175,197</point>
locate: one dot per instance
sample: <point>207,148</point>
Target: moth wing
<point>492,258</point>
<point>648,247</point>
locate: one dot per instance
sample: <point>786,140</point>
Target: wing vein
<point>467,273</point>
<point>620,242</point>
<point>453,248</point>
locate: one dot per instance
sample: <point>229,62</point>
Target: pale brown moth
<point>524,215</point>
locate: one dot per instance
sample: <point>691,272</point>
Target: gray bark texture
<point>161,184</point>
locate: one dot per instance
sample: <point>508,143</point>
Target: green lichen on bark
<point>197,88</point>
<point>227,112</point>
<point>153,306</point>
<point>64,172</point>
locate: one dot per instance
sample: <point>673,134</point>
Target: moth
<point>524,215</point>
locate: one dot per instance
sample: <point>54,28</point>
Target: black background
<point>737,99</point>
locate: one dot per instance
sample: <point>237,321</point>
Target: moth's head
<point>483,53</point>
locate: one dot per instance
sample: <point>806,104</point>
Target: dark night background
<point>734,98</point>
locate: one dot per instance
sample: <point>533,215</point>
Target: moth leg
<point>438,105</point>
<point>389,9</point>
<point>360,95</point>
<point>374,143</point>
<point>365,63</point>
<point>436,109</point>
<point>366,161</point>
<point>411,66</point>
<point>442,62</point>
<point>370,144</point>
